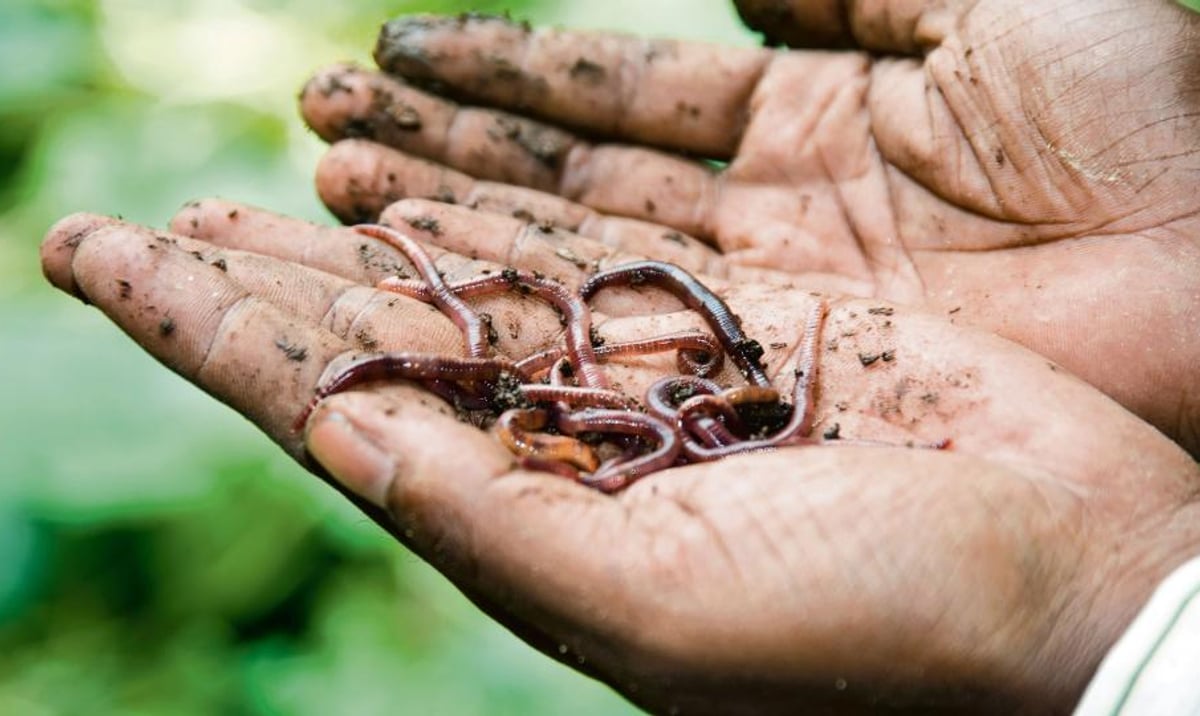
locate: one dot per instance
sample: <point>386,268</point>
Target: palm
<point>837,576</point>
<point>1020,168</point>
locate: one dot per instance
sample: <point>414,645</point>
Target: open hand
<point>1028,168</point>
<point>993,575</point>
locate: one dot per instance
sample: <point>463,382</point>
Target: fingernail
<point>353,459</point>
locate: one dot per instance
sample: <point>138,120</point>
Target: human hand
<point>994,575</point>
<point>1021,167</point>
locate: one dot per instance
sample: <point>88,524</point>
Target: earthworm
<point>691,345</point>
<point>409,366</point>
<point>577,397</point>
<point>439,293</point>
<point>665,395</point>
<point>799,425</point>
<point>689,418</point>
<point>515,429</point>
<point>576,315</point>
<point>614,476</point>
<point>745,352</point>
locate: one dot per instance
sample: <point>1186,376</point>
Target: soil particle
<point>750,349</point>
<point>427,224</point>
<point>882,311</point>
<point>232,215</point>
<point>584,70</point>
<point>834,432</point>
<point>779,346</point>
<point>492,337</point>
<point>508,394</point>
<point>675,237</point>
<point>221,265</point>
<point>124,288</point>
<point>293,352</point>
<point>166,326</point>
<point>888,356</point>
<point>404,116</point>
<point>544,145</point>
<point>651,207</point>
<point>868,359</point>
<point>328,86</point>
<point>569,256</point>
<point>365,340</point>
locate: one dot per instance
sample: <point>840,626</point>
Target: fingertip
<point>60,243</point>
<point>398,48</point>
<point>353,460</point>
<point>354,181</point>
<point>331,98</point>
<point>399,448</point>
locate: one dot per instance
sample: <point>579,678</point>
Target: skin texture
<point>992,577</point>
<point>842,578</point>
<point>1027,168</point>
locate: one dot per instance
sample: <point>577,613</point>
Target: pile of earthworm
<point>557,411</point>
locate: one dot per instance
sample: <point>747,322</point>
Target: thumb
<point>538,548</point>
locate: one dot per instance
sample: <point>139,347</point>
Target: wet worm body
<point>572,423</point>
<point>463,316</point>
<point>746,353</point>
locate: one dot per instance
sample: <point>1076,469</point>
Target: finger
<point>533,246</point>
<point>407,176</point>
<point>485,143</point>
<point>337,250</point>
<point>490,530</point>
<point>678,95</point>
<point>411,177</point>
<point>193,317</point>
<point>355,177</point>
<point>900,26</point>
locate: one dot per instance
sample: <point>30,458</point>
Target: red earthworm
<point>577,397</point>
<point>743,394</point>
<point>712,433</point>
<point>408,287</point>
<point>723,425</point>
<point>561,372</point>
<point>575,312</point>
<point>690,345</point>
<point>666,394</point>
<point>745,352</point>
<point>615,476</point>
<point>799,425</point>
<point>515,430</point>
<point>409,366</point>
<point>440,294</point>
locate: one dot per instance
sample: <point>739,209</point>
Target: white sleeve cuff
<point>1154,669</point>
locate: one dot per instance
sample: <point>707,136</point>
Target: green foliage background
<point>158,555</point>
